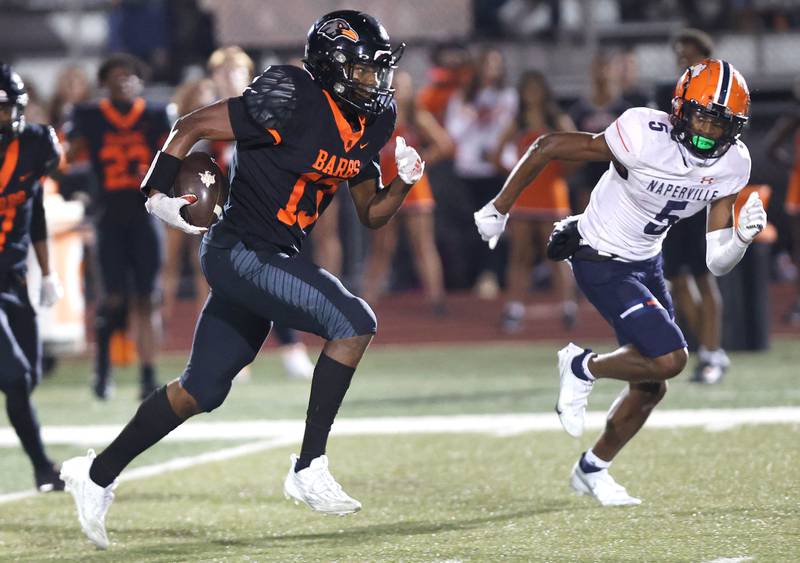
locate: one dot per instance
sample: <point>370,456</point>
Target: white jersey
<point>629,213</point>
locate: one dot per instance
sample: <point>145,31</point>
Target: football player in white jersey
<point>663,168</point>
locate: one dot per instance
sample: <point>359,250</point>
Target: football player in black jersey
<point>27,153</point>
<point>300,132</point>
<point>122,133</point>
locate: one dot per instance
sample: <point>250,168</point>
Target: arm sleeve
<point>263,114</point>
<point>723,251</point>
<point>625,138</point>
<point>38,221</point>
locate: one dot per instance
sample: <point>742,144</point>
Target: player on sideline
<point>27,152</point>
<point>663,168</point>
<point>121,134</point>
<point>300,132</point>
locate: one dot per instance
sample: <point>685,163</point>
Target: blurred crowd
<point>471,124</point>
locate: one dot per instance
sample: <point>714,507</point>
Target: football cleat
<point>91,500</point>
<point>601,486</point>
<point>48,480</point>
<point>315,487</point>
<point>573,393</point>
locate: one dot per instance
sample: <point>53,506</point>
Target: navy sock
<point>148,375</point>
<point>587,467</point>
<point>577,365</point>
<point>153,420</point>
<point>22,416</point>
<point>328,387</point>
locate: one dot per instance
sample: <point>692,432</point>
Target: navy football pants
<point>633,298</point>
<point>249,291</point>
<point>19,336</point>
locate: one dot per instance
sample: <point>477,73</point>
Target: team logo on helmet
<point>336,28</point>
<point>697,69</point>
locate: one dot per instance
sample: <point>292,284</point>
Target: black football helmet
<point>14,97</point>
<point>349,54</point>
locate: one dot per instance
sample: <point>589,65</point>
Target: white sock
<point>592,459</point>
<point>705,354</point>
<point>515,309</point>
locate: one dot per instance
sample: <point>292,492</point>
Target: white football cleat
<point>601,486</point>
<point>296,362</point>
<point>91,500</point>
<point>315,487</point>
<point>573,393</point>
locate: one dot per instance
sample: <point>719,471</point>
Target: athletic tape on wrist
<point>162,173</point>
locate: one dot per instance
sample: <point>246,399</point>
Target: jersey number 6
<point>664,215</point>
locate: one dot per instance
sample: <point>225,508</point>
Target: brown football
<point>199,175</point>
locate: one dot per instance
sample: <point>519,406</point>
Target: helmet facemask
<point>10,128</point>
<point>361,80</point>
<point>686,117</point>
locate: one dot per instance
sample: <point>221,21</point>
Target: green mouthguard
<point>703,143</point>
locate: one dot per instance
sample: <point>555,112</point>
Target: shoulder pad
<point>271,98</point>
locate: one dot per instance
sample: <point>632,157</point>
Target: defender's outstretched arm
<point>570,146</point>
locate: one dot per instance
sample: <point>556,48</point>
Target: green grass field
<point>728,493</point>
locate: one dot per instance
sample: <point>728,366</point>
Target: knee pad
<point>212,397</point>
<point>364,320</point>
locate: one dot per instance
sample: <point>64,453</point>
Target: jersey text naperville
<point>676,191</point>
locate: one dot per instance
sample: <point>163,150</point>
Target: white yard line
<point>497,424</point>
<point>276,433</point>
<point>731,559</point>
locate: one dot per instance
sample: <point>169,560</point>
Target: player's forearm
<point>724,249</point>
<point>385,204</point>
<point>527,168</point>
<point>40,248</point>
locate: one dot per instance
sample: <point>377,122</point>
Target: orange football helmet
<point>711,91</point>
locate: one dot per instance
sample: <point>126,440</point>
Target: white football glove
<point>168,209</point>
<point>752,219</point>
<point>409,164</point>
<point>51,290</point>
<point>491,223</point>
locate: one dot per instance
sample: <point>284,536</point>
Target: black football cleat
<point>48,479</point>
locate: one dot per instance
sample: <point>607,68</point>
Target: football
<point>200,176</point>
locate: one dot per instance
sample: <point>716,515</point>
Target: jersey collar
<point>348,136</point>
<point>9,163</point>
<point>119,120</point>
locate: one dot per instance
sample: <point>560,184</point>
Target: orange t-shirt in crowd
<point>793,193</point>
<point>547,197</point>
<point>420,196</point>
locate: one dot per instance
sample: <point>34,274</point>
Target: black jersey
<point>121,146</point>
<point>27,158</point>
<point>294,148</point>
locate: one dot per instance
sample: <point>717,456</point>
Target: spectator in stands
<point>594,113</point>
<point>788,127</point>
<point>632,90</point>
<point>450,70</point>
<point>72,87</point>
<point>695,292</point>
<point>475,119</point>
<point>231,70</point>
<point>540,205</point>
<point>418,128</point>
